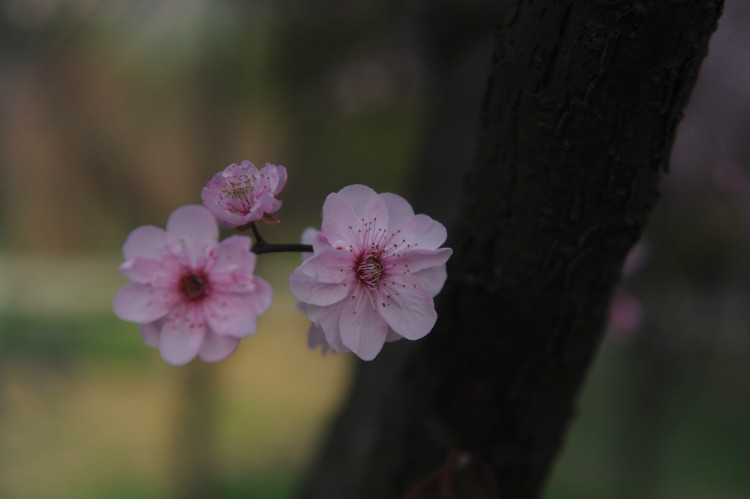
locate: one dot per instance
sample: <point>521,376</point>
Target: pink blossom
<point>190,294</point>
<point>241,194</point>
<point>374,271</point>
<point>625,315</point>
<point>315,336</point>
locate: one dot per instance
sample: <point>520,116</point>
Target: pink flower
<point>242,194</point>
<point>373,273</point>
<point>625,315</point>
<point>190,295</point>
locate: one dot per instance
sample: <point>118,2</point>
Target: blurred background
<point>113,113</point>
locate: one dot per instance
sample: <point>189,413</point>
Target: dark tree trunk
<point>577,125</point>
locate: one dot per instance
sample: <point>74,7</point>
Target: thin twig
<point>259,241</point>
<point>259,249</point>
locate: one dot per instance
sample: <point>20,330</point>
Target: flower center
<point>237,194</point>
<point>194,286</point>
<point>370,270</point>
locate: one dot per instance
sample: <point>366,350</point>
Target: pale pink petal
<point>420,259</point>
<point>158,273</point>
<point>268,204</point>
<point>392,336</point>
<point>233,251</point>
<point>142,303</point>
<point>311,311</point>
<point>328,320</point>
<point>316,337</point>
<point>410,310</point>
<point>329,266</point>
<point>280,180</point>
<point>362,198</point>
<point>230,315</point>
<point>308,236</point>
<point>419,231</point>
<point>319,242</point>
<point>245,163</point>
<point>365,229</point>
<point>195,230</point>
<point>309,290</point>
<point>216,347</point>
<point>260,298</point>
<point>363,331</point>
<point>150,333</point>
<point>145,242</point>
<point>340,221</point>
<point>322,280</point>
<point>433,279</point>
<point>182,335</point>
<point>398,208</point>
<point>238,281</point>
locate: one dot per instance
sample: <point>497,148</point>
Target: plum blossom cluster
<point>368,276</point>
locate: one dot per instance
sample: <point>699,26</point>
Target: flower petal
<point>234,251</point>
<point>328,320</point>
<point>319,243</point>
<point>261,296</point>
<point>216,347</point>
<point>340,221</point>
<point>419,231</point>
<point>195,229</point>
<point>145,242</point>
<point>308,235</point>
<point>320,280</point>
<point>142,303</point>
<point>182,335</point>
<point>410,310</point>
<point>230,315</point>
<point>278,178</point>
<point>399,208</point>
<point>432,279</point>
<point>330,266</point>
<point>420,259</point>
<point>150,333</point>
<point>232,270</point>
<point>309,290</point>
<point>316,337</point>
<point>159,273</point>
<point>363,331</point>
<point>362,198</point>
<point>392,336</point>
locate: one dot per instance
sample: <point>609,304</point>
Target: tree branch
<point>577,125</point>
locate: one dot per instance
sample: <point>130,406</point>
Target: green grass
<point>58,339</point>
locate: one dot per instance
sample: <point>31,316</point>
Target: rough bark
<point>577,125</point>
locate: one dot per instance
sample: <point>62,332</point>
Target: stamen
<point>194,287</point>
<point>370,270</point>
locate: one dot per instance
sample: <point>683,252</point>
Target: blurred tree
<point>577,123</point>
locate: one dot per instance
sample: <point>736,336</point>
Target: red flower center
<point>194,286</point>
